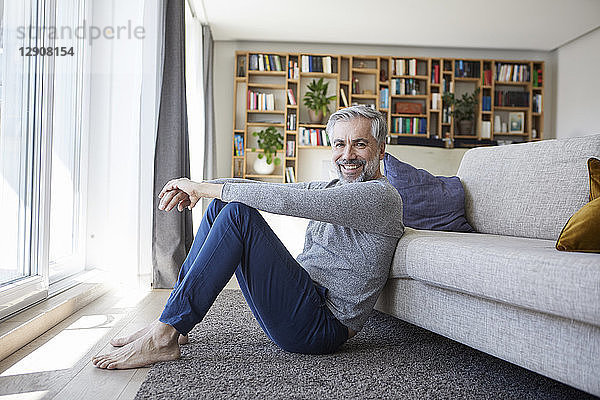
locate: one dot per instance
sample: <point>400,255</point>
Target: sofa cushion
<point>524,272</point>
<point>582,231</point>
<point>428,202</point>
<point>528,190</point>
<point>594,169</point>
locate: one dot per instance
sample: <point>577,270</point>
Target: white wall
<point>437,161</point>
<point>578,87</point>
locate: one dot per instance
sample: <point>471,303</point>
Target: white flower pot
<point>262,168</point>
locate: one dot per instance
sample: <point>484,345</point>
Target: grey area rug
<point>229,356</point>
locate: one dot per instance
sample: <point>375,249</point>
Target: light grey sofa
<point>506,290</point>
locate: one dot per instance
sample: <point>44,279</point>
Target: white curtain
<point>195,99</point>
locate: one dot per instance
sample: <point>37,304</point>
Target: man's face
<point>355,152</point>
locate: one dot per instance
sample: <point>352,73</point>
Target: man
<point>309,305</point>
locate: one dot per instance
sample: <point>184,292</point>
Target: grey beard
<point>370,169</point>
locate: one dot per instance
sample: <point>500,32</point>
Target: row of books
<point>486,103</point>
<point>447,115</point>
<point>404,86</point>
<point>293,69</point>
<point>313,137</point>
<point>466,69</point>
<point>512,72</point>
<point>290,148</point>
<point>487,77</point>
<point>536,105</point>
<point>404,67</point>
<point>435,74</point>
<point>291,122</point>
<point>384,98</point>
<point>265,62</point>
<point>290,176</point>
<point>436,101</point>
<point>317,64</point>
<point>409,125</point>
<point>261,101</point>
<point>447,85</point>
<point>238,145</point>
<point>291,97</point>
<point>538,80</point>
<point>506,98</point>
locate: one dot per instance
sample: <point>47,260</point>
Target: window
<point>65,249</point>
<point>40,150</point>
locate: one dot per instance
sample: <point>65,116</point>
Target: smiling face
<point>355,152</point>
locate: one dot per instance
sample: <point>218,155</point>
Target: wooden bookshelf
<point>382,82</point>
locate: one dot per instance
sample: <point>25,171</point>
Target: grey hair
<point>378,123</point>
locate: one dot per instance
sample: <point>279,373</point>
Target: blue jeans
<point>287,304</point>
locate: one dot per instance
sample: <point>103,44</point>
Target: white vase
<point>262,168</point>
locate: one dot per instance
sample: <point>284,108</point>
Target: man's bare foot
<point>122,341</point>
<point>158,344</point>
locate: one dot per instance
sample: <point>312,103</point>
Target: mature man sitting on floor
<point>311,304</point>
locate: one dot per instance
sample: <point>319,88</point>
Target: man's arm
<point>298,185</point>
<point>183,192</point>
<point>368,206</point>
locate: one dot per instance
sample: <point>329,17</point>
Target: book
<point>291,97</point>
<point>327,65</point>
<point>278,63</point>
<point>253,62</point>
<point>293,71</point>
<point>384,98</point>
<point>290,176</point>
<point>486,129</point>
<point>291,122</point>
<point>290,148</point>
<point>344,99</point>
<point>436,101</point>
<point>324,138</point>
<point>313,137</point>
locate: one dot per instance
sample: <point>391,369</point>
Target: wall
<point>578,86</point>
<point>438,161</point>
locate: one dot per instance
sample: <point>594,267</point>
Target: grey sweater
<point>350,240</point>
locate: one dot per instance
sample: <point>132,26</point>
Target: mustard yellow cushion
<point>582,231</point>
<point>594,168</point>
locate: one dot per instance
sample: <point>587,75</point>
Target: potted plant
<point>464,110</point>
<point>317,101</point>
<point>269,140</point>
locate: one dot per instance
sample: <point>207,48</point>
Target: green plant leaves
<point>464,108</point>
<point>269,140</point>
<point>316,98</point>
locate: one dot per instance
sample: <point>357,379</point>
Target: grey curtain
<point>209,110</point>
<point>172,234</point>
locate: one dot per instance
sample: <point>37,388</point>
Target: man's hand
<point>183,193</point>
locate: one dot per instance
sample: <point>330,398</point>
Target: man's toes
<point>112,365</point>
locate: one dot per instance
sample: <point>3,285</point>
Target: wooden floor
<point>57,364</point>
